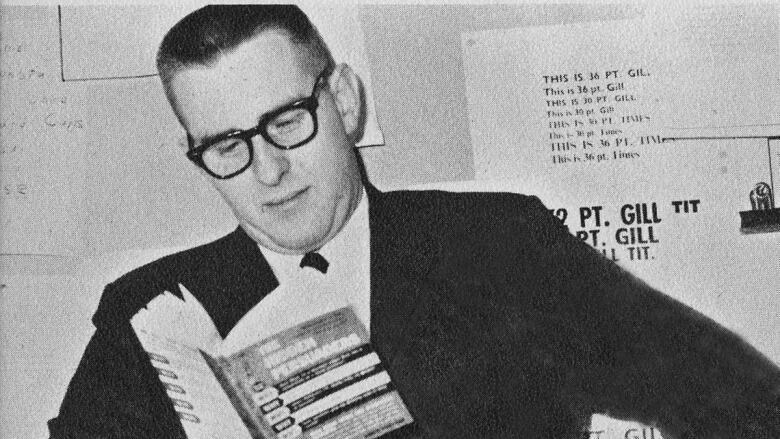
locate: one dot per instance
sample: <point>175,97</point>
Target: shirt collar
<point>348,248</point>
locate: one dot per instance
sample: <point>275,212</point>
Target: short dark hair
<point>203,36</point>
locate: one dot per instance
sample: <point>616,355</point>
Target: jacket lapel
<point>409,297</point>
<point>234,281</point>
<point>402,252</point>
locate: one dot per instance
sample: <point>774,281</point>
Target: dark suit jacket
<point>494,322</point>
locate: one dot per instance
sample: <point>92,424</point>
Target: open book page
<point>174,332</point>
<point>281,309</point>
<point>203,406</point>
<point>320,379</point>
<point>185,321</point>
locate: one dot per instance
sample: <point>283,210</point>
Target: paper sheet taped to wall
<point>609,91</point>
<point>41,140</point>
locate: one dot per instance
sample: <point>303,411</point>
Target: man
<point>493,320</point>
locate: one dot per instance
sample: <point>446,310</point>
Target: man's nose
<point>270,163</point>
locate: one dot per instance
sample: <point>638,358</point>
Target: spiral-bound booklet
<point>320,379</point>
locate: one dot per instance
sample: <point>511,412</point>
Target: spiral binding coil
<point>175,392</point>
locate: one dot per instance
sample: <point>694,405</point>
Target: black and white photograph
<point>408,220</point>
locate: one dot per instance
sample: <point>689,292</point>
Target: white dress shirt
<point>305,293</point>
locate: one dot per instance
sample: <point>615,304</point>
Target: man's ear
<point>345,87</point>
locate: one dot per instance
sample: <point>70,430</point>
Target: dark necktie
<point>316,261</point>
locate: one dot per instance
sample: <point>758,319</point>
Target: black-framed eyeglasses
<point>287,127</point>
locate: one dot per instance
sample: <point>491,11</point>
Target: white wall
<point>140,207</point>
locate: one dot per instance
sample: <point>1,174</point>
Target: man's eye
<point>287,122</point>
<point>227,147</point>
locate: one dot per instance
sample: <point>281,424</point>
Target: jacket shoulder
<point>132,291</point>
<point>476,210</point>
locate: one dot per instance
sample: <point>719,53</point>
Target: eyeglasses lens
<point>286,130</point>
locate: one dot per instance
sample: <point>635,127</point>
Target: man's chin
<point>290,245</point>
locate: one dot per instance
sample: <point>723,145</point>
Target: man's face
<point>290,201</point>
